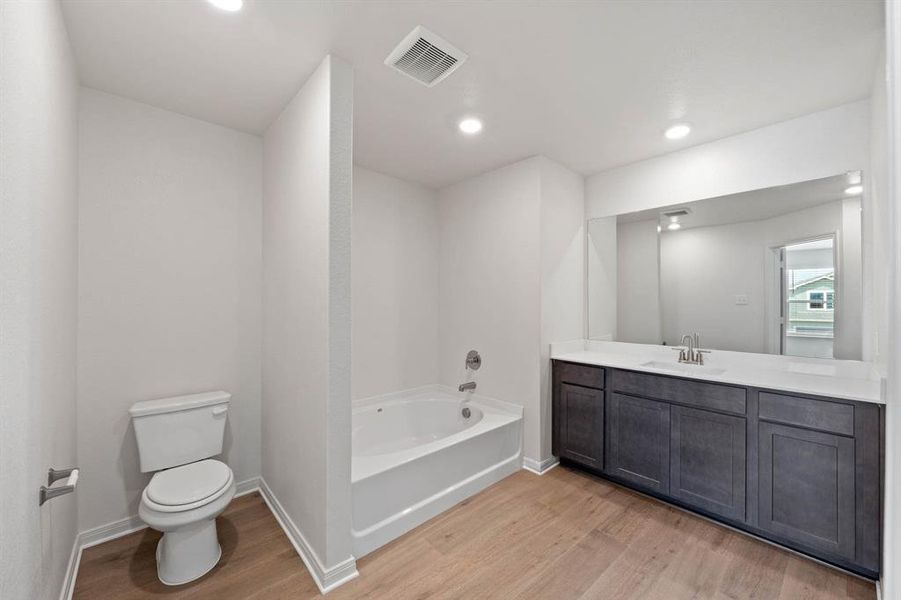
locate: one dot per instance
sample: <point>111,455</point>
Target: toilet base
<point>188,553</point>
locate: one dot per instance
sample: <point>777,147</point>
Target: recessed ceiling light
<point>854,190</point>
<point>677,132</point>
<point>673,226</point>
<point>470,126</point>
<point>228,5</point>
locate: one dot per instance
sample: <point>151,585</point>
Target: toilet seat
<point>188,486</point>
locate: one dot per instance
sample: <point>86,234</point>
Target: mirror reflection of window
<point>810,297</point>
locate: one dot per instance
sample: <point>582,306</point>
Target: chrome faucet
<point>691,353</point>
<point>468,386</point>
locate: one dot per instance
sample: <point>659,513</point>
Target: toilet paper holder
<point>54,475</point>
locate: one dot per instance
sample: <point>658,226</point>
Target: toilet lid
<point>188,483</point>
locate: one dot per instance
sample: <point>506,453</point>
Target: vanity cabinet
<point>802,471</point>
<point>579,406</point>
<point>820,475</point>
<point>692,448</point>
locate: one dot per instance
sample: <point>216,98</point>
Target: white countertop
<point>846,379</point>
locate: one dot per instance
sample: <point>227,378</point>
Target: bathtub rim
<point>500,405</point>
<point>496,414</point>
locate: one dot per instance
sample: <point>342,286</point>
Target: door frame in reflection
<point>777,308</point>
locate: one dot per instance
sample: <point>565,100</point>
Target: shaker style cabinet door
<point>707,461</point>
<point>581,413</point>
<point>638,441</point>
<point>806,489</point>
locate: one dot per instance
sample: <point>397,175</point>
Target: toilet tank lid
<point>177,403</point>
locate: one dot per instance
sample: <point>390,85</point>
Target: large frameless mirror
<point>775,271</point>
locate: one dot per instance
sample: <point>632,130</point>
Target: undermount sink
<point>677,367</point>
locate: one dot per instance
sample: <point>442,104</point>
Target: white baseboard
<point>68,588</point>
<point>539,467</point>
<point>93,537</point>
<point>326,579</point>
<point>117,529</point>
<point>879,589</point>
<point>242,488</point>
<point>110,531</point>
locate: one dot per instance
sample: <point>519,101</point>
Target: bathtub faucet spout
<point>468,386</point>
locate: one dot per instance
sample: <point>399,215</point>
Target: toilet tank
<point>179,430</point>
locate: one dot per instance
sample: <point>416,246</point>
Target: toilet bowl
<point>176,439</point>
<point>183,503</point>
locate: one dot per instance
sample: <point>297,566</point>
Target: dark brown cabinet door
<point>638,441</point>
<point>582,425</point>
<point>806,492</point>
<point>707,461</point>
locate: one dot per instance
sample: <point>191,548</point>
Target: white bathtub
<point>415,456</point>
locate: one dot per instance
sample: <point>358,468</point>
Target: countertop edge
<point>832,391</point>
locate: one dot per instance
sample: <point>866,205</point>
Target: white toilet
<point>176,438</point>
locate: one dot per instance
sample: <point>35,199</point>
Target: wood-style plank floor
<point>565,535</point>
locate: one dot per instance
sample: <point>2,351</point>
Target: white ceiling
<point>589,84</point>
<point>755,205</point>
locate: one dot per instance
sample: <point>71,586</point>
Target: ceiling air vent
<point>426,57</point>
<point>677,212</point>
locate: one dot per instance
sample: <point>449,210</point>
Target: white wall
<point>698,286</point>
<point>818,145</point>
<point>885,220</point>
<point>511,282</point>
<point>848,342</point>
<point>638,283</point>
<point>875,225</point>
<point>38,253</point>
<point>603,278</point>
<point>490,294</point>
<point>395,284</point>
<point>306,420</point>
<point>169,285</point>
<point>562,233</point>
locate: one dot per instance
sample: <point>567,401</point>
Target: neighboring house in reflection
<point>812,304</point>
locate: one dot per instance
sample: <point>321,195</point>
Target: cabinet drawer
<point>584,375</point>
<point>832,417</point>
<point>723,398</point>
